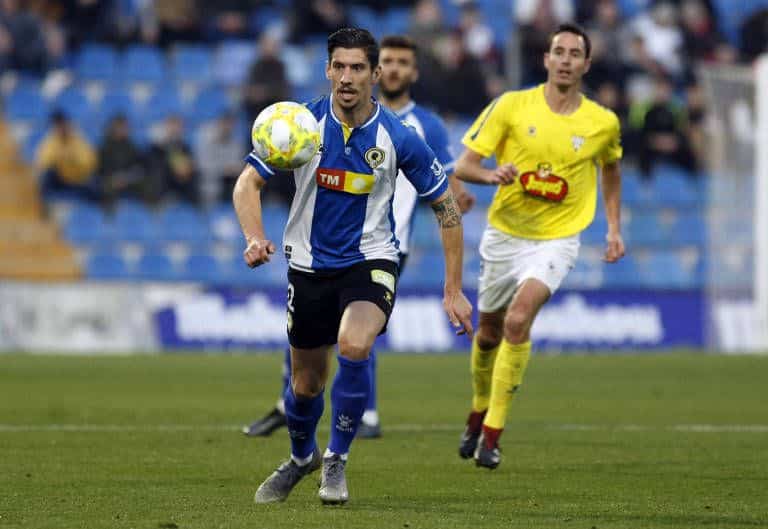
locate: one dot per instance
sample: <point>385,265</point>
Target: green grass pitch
<point>606,442</point>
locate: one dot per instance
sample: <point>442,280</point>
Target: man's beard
<point>394,94</point>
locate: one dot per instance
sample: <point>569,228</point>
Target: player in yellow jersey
<point>550,142</point>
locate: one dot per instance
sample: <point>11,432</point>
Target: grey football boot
<point>333,482</point>
<point>487,457</point>
<point>281,482</point>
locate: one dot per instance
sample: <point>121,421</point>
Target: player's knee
<point>516,326</point>
<point>488,337</point>
<point>354,348</point>
<point>306,386</point>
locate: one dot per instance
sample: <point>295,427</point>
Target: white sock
<point>328,453</point>
<point>301,462</point>
<point>371,417</point>
<point>280,405</point>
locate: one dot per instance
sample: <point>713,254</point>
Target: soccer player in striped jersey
<point>398,61</point>
<point>551,142</point>
<point>342,255</point>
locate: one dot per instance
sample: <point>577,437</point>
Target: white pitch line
<point>406,428</point>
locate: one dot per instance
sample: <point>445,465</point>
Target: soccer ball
<point>285,135</point>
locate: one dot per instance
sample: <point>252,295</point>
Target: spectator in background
<point>170,21</point>
<point>9,151</point>
<point>662,38</point>
<point>316,18</point>
<point>460,74</point>
<point>537,19</point>
<point>122,171</point>
<point>22,43</point>
<point>229,19</point>
<point>662,128</point>
<point>172,168</point>
<point>753,35</point>
<point>702,40</point>
<point>267,82</point>
<point>609,40</point>
<point>218,151</point>
<point>65,160</point>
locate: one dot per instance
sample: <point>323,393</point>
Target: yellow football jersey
<point>557,158</point>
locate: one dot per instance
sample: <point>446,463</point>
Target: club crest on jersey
<point>374,157</point>
<point>531,130</point>
<point>544,184</point>
<point>577,142</point>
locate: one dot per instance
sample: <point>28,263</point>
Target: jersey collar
<point>374,115</point>
<point>401,113</point>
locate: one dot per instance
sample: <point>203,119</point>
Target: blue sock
<point>349,395</point>
<point>302,415</point>
<point>286,370</point>
<point>371,404</point>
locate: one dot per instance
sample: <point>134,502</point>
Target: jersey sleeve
<point>490,127</point>
<point>612,151</point>
<point>264,170</point>
<point>421,167</point>
<point>437,139</point>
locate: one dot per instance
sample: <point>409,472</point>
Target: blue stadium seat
<point>182,222</point>
<point>474,222</point>
<point>116,100</point>
<point>163,103</point>
<point>86,224</point>
<point>274,217</point>
<point>622,274</point>
<point>204,268</point>
<point>133,221</point>
<point>25,103</point>
<point>156,267</point>
<point>106,266</point>
<point>665,269</point>
<point>396,21</point>
<point>73,102</point>
<point>675,187</point>
<point>595,232</point>
<point>96,62</point>
<point>192,63</point>
<point>232,62</point>
<point>143,64</point>
<point>209,104</point>
<point>644,228</point>
<point>298,69</point>
<point>425,234</point>
<point>224,225</point>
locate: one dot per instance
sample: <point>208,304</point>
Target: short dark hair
<point>355,38</point>
<point>576,30</point>
<point>399,41</point>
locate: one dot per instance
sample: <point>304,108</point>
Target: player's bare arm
<point>611,185</point>
<point>464,198</point>
<point>469,168</point>
<point>247,200</point>
<point>456,305</point>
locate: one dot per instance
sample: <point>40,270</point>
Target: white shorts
<point>507,261</point>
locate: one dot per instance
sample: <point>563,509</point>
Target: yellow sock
<point>507,376</point>
<point>482,369</point>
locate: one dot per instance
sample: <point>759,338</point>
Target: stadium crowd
<point>644,68</point>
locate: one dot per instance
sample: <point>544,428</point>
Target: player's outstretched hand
<point>504,174</point>
<point>459,312</point>
<point>258,252</point>
<point>614,249</point>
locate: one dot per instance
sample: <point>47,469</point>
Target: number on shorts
<point>289,303</point>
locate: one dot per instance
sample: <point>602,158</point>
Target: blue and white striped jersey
<point>431,128</point>
<point>342,211</point>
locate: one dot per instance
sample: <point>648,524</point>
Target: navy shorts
<point>317,301</point>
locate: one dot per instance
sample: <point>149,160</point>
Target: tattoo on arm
<point>447,212</point>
